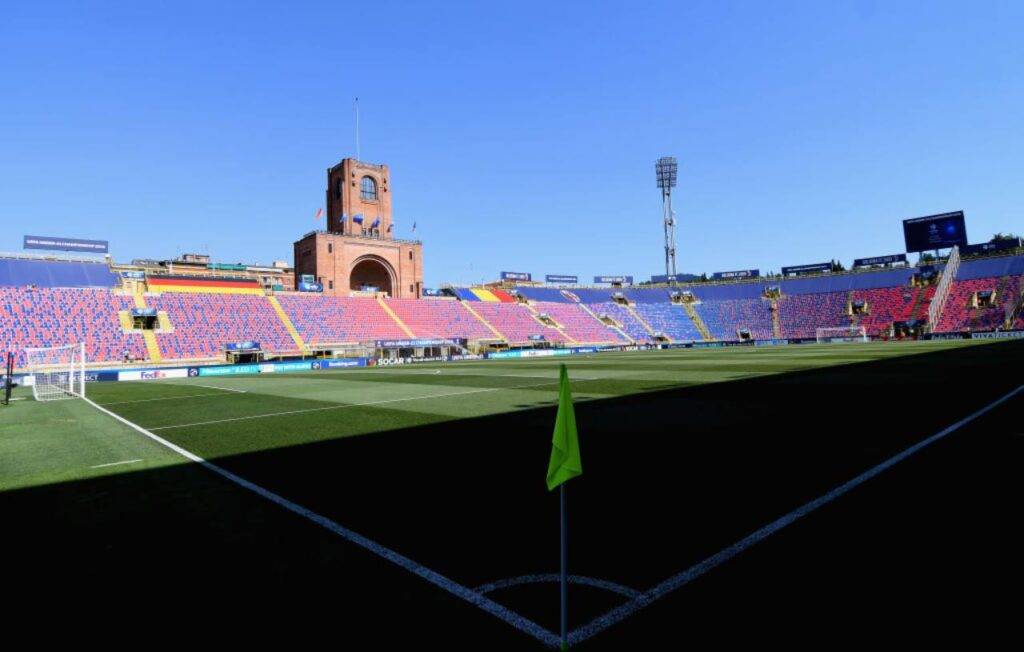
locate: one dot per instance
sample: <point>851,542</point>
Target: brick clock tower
<point>358,251</point>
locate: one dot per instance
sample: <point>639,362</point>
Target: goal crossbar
<point>57,372</point>
<point>841,334</point>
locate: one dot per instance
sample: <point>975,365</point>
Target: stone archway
<point>371,271</point>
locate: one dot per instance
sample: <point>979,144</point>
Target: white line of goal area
<point>476,598</point>
<point>342,406</point>
<point>613,616</point>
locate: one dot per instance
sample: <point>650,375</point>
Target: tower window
<point>337,189</point>
<point>368,189</point>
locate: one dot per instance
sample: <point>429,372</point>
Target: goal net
<point>842,334</point>
<point>57,372</point>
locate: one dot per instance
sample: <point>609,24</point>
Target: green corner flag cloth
<point>565,444</point>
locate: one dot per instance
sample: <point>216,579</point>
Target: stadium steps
<point>149,337</point>
<point>125,318</point>
<point>558,327</point>
<point>287,322</point>
<point>776,323</point>
<point>643,322</point>
<point>164,322</point>
<point>615,327</point>
<point>483,321</point>
<point>917,301</point>
<point>398,320</point>
<point>702,328</point>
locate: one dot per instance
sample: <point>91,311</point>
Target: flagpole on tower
<point>358,157</point>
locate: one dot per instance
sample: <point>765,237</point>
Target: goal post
<point>57,372</point>
<point>842,334</point>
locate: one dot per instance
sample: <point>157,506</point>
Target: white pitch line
<point>352,405</point>
<point>161,398</point>
<point>681,579</point>
<point>475,598</point>
<point>223,389</point>
<point>103,466</point>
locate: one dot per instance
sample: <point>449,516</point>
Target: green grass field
<point>685,452</point>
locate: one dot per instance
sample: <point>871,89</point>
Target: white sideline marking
<point>524,625</point>
<point>103,466</point>
<point>553,381</point>
<point>681,579</point>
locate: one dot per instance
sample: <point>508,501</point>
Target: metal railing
<point>942,291</point>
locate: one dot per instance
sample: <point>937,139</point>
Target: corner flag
<point>565,445</point>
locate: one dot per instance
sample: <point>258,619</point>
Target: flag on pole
<point>319,213</point>
<point>565,461</point>
<point>414,227</point>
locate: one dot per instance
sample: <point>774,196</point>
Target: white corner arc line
<point>475,598</point>
<point>679,580</point>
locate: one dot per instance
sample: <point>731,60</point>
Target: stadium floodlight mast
<point>667,169</point>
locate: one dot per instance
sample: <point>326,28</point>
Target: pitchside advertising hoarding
<point>812,268</point>
<point>738,273</point>
<point>561,278</point>
<point>880,260</point>
<point>60,243</point>
<point>625,280</point>
<point>930,232</point>
<point>516,276</point>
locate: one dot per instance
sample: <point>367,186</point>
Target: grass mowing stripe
<point>681,579</point>
<point>352,405</point>
<point>475,598</point>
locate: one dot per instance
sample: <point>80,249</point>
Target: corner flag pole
<point>564,465</point>
<point>564,573</point>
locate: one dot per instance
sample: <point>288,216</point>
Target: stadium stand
<point>441,318</point>
<point>725,317</point>
<point>204,323</point>
<point>578,324</point>
<point>630,324</point>
<point>515,322</point>
<point>885,305</point>
<point>802,314</point>
<point>16,272</point>
<point>670,320</point>
<point>334,320</point>
<point>55,316</point>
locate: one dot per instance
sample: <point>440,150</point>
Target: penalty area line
<point>475,598</point>
<point>679,580</point>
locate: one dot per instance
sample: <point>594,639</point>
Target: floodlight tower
<point>666,169</point>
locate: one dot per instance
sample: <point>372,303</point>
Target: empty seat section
<point>669,319</point>
<point>58,316</point>
<point>578,324</point>
<point>630,324</point>
<point>957,313</point>
<point>884,305</point>
<point>204,323</point>
<point>724,318</point>
<point>335,320</point>
<point>515,322</point>
<point>803,314</point>
<point>439,318</point>
<point>542,294</point>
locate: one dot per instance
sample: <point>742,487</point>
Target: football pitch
<point>757,485</point>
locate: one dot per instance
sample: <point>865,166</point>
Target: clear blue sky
<point>521,136</point>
